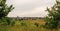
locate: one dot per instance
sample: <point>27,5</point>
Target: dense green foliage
<point>53,18</point>
<point>4,10</point>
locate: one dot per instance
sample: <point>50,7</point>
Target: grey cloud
<point>26,7</point>
<point>34,4</point>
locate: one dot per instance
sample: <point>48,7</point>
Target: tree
<point>4,9</point>
<point>53,18</point>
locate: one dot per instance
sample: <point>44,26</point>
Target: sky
<point>29,8</point>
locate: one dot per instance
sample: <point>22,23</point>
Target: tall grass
<point>27,25</point>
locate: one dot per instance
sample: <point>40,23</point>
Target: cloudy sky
<point>29,8</point>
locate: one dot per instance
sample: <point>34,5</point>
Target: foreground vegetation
<point>27,25</point>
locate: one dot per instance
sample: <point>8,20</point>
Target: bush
<point>23,24</point>
<point>36,24</point>
<point>7,21</point>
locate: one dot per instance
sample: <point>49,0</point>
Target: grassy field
<point>27,25</point>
